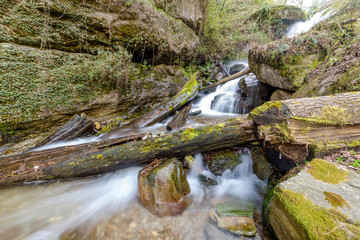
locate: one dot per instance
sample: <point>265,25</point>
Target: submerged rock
<point>322,201</point>
<point>163,187</point>
<point>235,216</point>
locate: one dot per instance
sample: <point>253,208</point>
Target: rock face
<point>163,188</point>
<point>148,33</point>
<point>279,95</point>
<point>321,202</point>
<point>190,12</point>
<point>235,217</point>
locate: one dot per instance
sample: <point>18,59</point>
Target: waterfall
<point>302,27</point>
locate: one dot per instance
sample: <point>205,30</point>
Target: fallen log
<point>222,81</point>
<point>161,112</point>
<point>297,130</point>
<point>180,118</point>
<point>78,126</point>
<point>104,157</point>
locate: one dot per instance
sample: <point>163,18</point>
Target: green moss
<point>329,115</point>
<point>317,222</point>
<point>235,208</point>
<point>268,106</point>
<point>319,148</point>
<point>326,171</point>
<point>335,200</point>
<point>189,134</point>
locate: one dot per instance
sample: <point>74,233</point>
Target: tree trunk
<point>222,81</point>
<point>294,131</point>
<point>105,156</point>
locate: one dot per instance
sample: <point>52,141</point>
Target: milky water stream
<point>47,211</point>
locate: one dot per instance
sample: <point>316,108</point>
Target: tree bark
<point>78,126</point>
<point>180,119</point>
<point>297,130</point>
<point>222,81</point>
<point>105,156</point>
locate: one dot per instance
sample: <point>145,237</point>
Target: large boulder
<point>163,187</point>
<point>85,26</point>
<point>320,202</point>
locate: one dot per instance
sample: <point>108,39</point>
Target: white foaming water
<point>240,183</point>
<point>302,27</point>
<point>225,96</point>
<point>67,143</point>
<point>45,212</point>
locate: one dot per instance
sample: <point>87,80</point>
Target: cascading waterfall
<point>229,98</point>
<point>302,27</point>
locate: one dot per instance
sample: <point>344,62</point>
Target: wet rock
<point>320,202</point>
<point>220,161</point>
<point>280,94</point>
<point>236,68</point>
<point>163,187</point>
<point>207,181</point>
<point>188,162</point>
<point>262,168</point>
<point>235,216</point>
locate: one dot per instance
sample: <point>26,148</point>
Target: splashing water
<point>302,27</point>
<point>45,212</point>
<point>240,183</point>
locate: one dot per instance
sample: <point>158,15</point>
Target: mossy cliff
<point>64,57</point>
<point>320,62</point>
<point>327,210</point>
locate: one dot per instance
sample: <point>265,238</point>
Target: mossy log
<point>229,78</point>
<point>110,155</point>
<point>159,113</point>
<point>294,131</point>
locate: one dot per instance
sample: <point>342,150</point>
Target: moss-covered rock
<point>220,161</point>
<point>235,216</point>
<point>319,62</point>
<point>163,187</point>
<point>303,207</point>
<point>262,168</point>
<point>79,26</point>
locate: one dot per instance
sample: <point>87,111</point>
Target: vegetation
<point>227,31</point>
<point>326,172</point>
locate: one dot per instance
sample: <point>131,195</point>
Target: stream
<point>106,206</point>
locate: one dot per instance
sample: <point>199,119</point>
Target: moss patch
<point>335,200</point>
<point>317,222</point>
<point>326,172</point>
<point>268,106</point>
